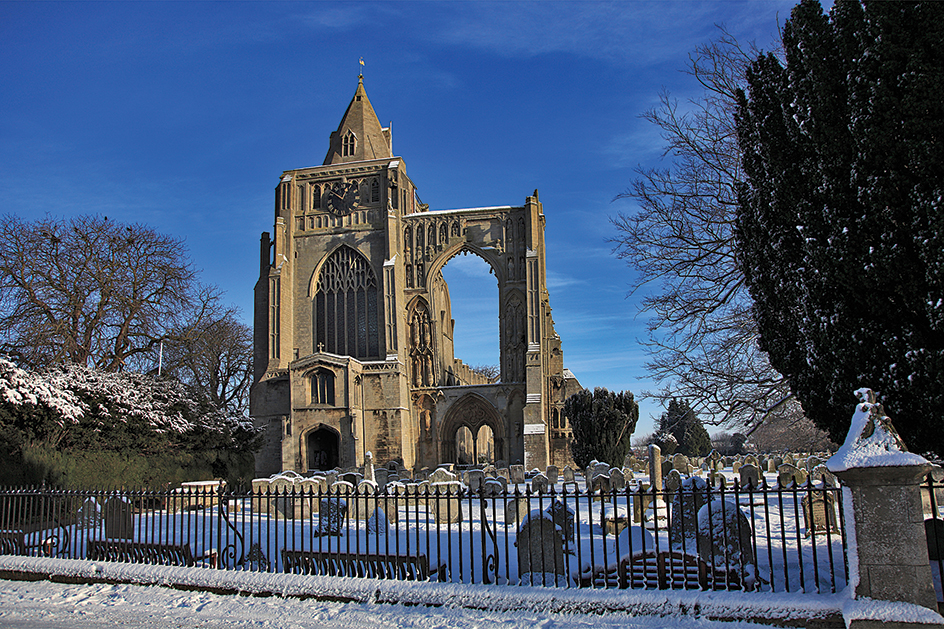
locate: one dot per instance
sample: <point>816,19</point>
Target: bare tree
<point>93,292</point>
<point>702,336</point>
<point>214,356</point>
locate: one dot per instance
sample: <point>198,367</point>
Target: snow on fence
<point>769,538</point>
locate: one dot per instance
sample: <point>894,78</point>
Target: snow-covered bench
<point>165,554</point>
<point>369,565</point>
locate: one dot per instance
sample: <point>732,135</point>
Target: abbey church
<point>353,327</point>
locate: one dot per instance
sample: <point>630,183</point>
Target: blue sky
<point>182,116</point>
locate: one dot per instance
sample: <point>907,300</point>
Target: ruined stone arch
<point>471,411</point>
<point>514,337</point>
<point>448,253</point>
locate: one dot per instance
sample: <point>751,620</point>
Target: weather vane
<point>361,69</point>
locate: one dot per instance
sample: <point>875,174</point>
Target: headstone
<point>819,512</point>
<point>641,502</point>
<point>771,466</point>
<point>787,474</point>
<point>617,480</point>
<point>332,512</point>
<point>821,474</point>
<point>655,466</point>
<point>750,459</point>
<point>447,508</point>
<point>735,466</point>
<point>667,467</point>
<point>600,484</point>
<point>812,462</point>
<point>540,548</point>
<point>569,474</point>
<point>673,481</point>
<point>332,477</point>
<point>552,474</point>
<point>564,517</point>
<point>381,476</point>
<point>691,496</point>
<point>516,474</point>
<point>309,490</point>
<point>119,518</point>
<point>493,487</point>
<point>539,484</point>
<point>89,514</point>
<point>749,476</point>
<point>280,500</point>
<point>629,460</point>
<point>730,534</point>
<point>441,475</point>
<point>352,477</point>
<point>475,479</point>
<point>681,463</point>
<point>516,510</point>
<point>503,472</point>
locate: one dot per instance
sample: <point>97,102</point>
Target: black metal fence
<point>766,538</point>
<point>932,499</point>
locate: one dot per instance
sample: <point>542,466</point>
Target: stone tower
<point>353,334</point>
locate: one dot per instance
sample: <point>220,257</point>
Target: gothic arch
<point>471,411</point>
<point>321,445</point>
<point>448,253</point>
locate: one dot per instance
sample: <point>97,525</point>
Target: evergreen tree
<point>603,423</point>
<point>680,421</point>
<point>840,226</point>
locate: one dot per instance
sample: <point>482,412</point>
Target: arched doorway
<point>473,432</point>
<point>324,446</point>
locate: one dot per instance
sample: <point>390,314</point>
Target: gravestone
<point>564,517</point>
<point>735,466</point>
<point>540,547</point>
<point>310,490</point>
<point>667,467</point>
<point>441,475</point>
<point>691,496</point>
<point>281,504</point>
<point>812,462</point>
<point>331,477</point>
<point>569,474</point>
<point>821,474</point>
<point>673,481</point>
<point>600,485</point>
<point>516,474</point>
<point>89,514</point>
<point>444,497</point>
<point>552,474</point>
<point>819,513</point>
<point>787,474</point>
<point>382,476</point>
<point>475,479</point>
<point>503,472</point>
<point>655,467</point>
<point>750,459</point>
<point>539,484</point>
<point>332,512</point>
<point>119,518</point>
<point>730,534</point>
<point>629,460</point>
<point>749,476</point>
<point>641,503</point>
<point>516,509</point>
<point>771,466</point>
<point>493,487</point>
<point>617,480</point>
<point>681,463</point>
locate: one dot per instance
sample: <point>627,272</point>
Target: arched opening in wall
<point>470,292</point>
<point>476,448</point>
<point>324,446</point>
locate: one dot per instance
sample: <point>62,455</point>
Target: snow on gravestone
<point>729,530</point>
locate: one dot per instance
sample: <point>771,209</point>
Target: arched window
<point>421,346</point>
<point>316,198</point>
<point>374,191</point>
<point>348,144</point>
<point>346,315</point>
<point>322,387</point>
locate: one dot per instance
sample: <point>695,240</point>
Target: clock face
<point>344,198</point>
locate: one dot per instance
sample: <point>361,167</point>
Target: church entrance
<point>324,445</point>
<point>475,448</point>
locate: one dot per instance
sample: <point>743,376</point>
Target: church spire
<point>359,136</point>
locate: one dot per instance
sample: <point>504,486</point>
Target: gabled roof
<point>371,140</point>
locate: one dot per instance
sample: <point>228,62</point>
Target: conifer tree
<point>603,423</point>
<point>840,225</point>
<point>680,421</point>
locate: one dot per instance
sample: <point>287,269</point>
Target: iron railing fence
<point>769,538</point>
<point>932,499</point>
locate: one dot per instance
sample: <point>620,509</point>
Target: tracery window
<point>346,316</point>
<point>348,144</point>
<point>316,198</point>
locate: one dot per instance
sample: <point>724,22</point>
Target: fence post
<point>884,479</point>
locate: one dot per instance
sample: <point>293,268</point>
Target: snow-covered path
<point>43,604</point>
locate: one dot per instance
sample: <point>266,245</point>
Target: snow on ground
<point>29,605</point>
